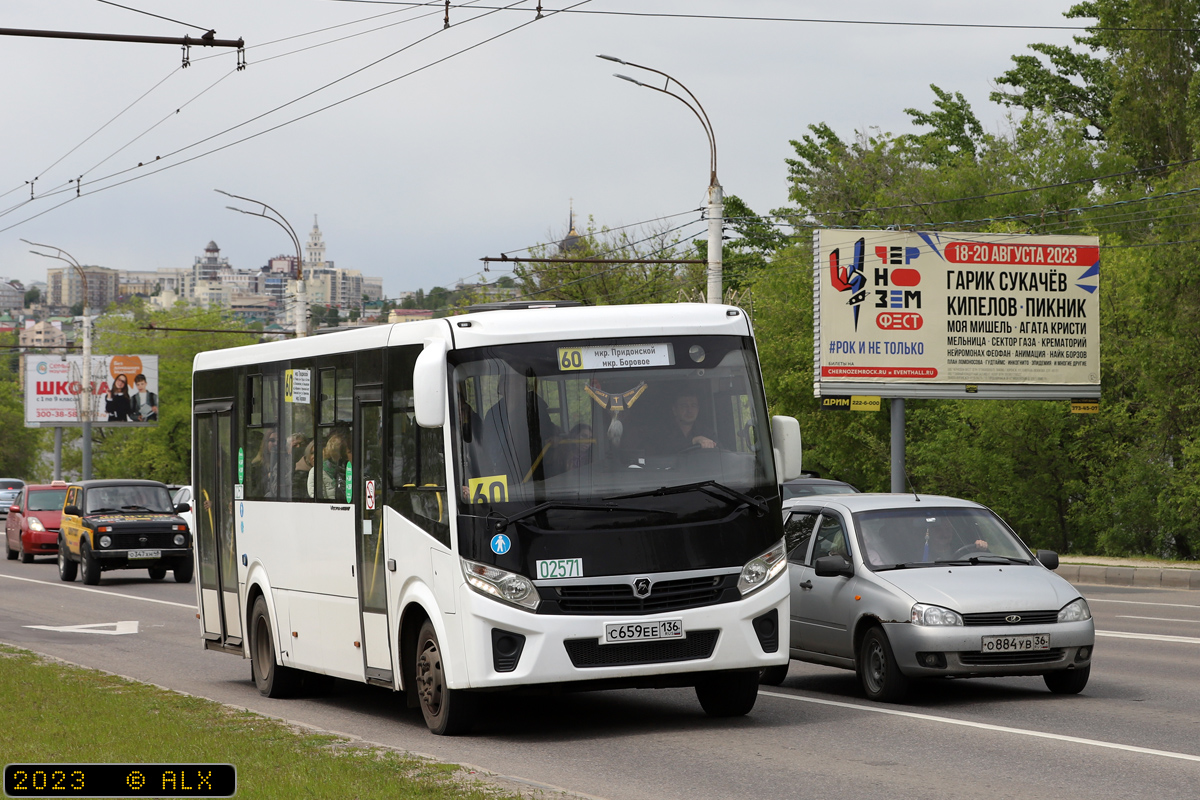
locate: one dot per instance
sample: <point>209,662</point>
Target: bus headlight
<point>763,569</point>
<point>106,541</point>
<point>501,584</point>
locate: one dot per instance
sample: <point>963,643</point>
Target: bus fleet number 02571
<point>560,568</point>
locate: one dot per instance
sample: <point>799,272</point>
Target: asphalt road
<point>1134,732</point>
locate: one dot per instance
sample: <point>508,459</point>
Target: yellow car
<point>123,524</point>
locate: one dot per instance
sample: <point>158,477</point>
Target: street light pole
<point>85,405</point>
<point>278,219</point>
<point>716,198</point>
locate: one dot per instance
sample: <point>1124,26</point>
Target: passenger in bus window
<point>264,467</point>
<point>577,447</point>
<point>303,470</point>
<point>335,457</point>
<point>517,430</point>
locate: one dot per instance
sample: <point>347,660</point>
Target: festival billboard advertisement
<point>938,314</point>
<point>124,390</point>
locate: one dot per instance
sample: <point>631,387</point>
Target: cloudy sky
<point>423,149</point>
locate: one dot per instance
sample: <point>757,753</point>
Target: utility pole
<point>716,197</point>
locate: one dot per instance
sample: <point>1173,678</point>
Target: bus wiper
<point>502,522</point>
<point>711,488</point>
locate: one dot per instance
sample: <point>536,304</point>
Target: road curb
<point>1140,577</point>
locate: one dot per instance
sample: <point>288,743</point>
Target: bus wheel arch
<point>411,620</point>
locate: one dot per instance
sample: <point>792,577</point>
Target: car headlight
<point>923,614</point>
<point>1075,611</point>
<point>501,584</point>
<point>106,541</point>
<point>180,540</point>
<point>763,569</point>
<point>35,524</point>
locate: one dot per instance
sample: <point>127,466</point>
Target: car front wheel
<point>184,571</point>
<point>878,672</point>
<point>66,567</point>
<point>89,567</point>
<point>1068,681</point>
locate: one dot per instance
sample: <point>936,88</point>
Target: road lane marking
<point>1140,603</point>
<point>1154,637</point>
<point>1159,619</point>
<point>62,585</point>
<point>988,727</point>
<point>107,628</point>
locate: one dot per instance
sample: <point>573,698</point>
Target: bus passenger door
<point>367,474</point>
<point>212,499</point>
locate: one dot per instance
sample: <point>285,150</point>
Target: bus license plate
<point>619,632</point>
<point>145,554</point>
<point>1015,644</point>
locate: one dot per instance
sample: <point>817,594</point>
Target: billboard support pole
<point>58,453</point>
<point>898,472</point>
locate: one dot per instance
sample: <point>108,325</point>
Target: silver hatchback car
<point>898,586</point>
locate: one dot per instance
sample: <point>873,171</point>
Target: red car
<point>33,521</point>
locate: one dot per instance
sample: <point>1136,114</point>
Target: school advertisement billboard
<point>124,390</point>
<point>937,314</point>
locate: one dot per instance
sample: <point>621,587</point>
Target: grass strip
<point>54,712</point>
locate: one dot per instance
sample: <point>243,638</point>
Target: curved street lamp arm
<point>278,219</point>
<point>702,114</point>
<point>70,259</point>
<point>287,228</point>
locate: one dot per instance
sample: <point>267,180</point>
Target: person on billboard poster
<point>145,403</point>
<point>117,402</point>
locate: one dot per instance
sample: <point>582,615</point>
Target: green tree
<point>21,448</point>
<point>609,279</point>
<point>163,452</point>
<point>32,295</point>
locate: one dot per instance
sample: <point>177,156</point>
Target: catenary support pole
<point>58,453</point>
<point>898,473</point>
<point>716,236</point>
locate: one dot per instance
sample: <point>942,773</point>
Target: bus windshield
<point>587,422</point>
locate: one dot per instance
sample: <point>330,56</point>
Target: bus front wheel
<point>271,678</point>
<point>447,711</point>
<point>728,694</point>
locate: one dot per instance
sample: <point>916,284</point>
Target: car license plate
<point>619,632</point>
<point>145,554</point>
<point>1015,644</point>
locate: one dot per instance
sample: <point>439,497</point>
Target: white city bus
<point>584,496</point>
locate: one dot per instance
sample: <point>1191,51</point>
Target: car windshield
<point>589,422</point>
<point>916,537</point>
<point>47,499</point>
<point>128,498</point>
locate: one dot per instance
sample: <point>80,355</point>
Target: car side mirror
<point>182,508</point>
<point>73,511</point>
<point>1049,559</point>
<point>832,566</point>
<point>14,509</point>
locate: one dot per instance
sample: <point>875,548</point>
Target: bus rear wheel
<point>447,712</point>
<point>271,678</point>
<point>728,694</point>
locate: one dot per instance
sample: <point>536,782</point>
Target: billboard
<point>124,390</point>
<point>937,314</point>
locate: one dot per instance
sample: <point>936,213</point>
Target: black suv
<point>123,524</point>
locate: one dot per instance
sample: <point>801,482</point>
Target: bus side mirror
<point>429,384</point>
<point>785,433</point>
